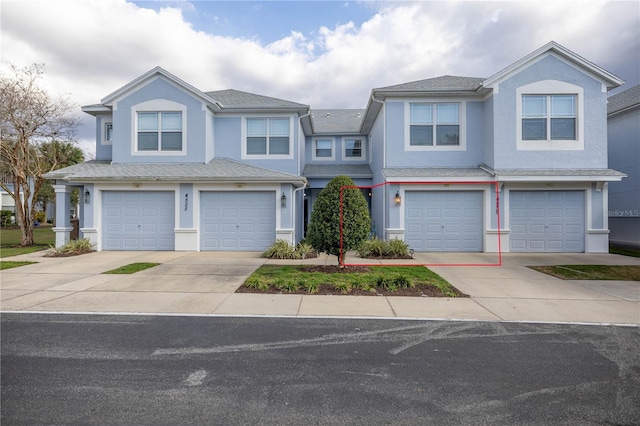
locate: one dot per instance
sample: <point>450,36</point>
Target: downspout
<point>294,209</point>
<point>305,138</point>
<point>384,159</point>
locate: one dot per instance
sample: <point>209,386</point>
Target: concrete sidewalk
<point>204,283</point>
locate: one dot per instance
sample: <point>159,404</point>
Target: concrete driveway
<point>204,283</point>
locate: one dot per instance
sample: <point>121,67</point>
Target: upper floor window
<point>353,148</point>
<point>108,133</point>
<point>323,149</point>
<point>268,136</point>
<point>434,124</point>
<point>548,117</point>
<point>160,131</point>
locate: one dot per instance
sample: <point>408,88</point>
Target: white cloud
<point>93,47</point>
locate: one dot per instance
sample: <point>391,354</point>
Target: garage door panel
<point>244,221</point>
<point>138,220</point>
<point>554,221</point>
<point>444,220</point>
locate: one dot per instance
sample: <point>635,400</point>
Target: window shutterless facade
<point>159,131</point>
<point>324,148</point>
<point>549,117</point>
<point>267,136</point>
<point>434,124</point>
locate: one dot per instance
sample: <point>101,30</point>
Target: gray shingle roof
<point>443,83</point>
<point>218,169</point>
<point>243,100</point>
<point>624,100</point>
<point>336,120</point>
<point>333,170</point>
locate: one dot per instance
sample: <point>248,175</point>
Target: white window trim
<point>333,149</point>
<point>551,87</point>
<point>106,141</point>
<point>462,122</point>
<point>157,105</point>
<point>243,137</point>
<point>363,148</point>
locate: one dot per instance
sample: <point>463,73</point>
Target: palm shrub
<point>397,248</point>
<point>324,227</point>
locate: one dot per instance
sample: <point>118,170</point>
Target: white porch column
<point>63,205</point>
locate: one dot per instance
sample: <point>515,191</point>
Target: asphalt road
<point>149,370</point>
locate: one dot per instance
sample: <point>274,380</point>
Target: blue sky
<point>267,21</point>
<point>327,54</point>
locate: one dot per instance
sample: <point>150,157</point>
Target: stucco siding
<point>124,121</point>
<point>593,120</point>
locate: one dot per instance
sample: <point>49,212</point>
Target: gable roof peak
<point>610,79</point>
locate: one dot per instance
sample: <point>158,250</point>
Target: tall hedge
<point>324,228</point>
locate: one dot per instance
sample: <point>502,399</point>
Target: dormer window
<point>160,131</point>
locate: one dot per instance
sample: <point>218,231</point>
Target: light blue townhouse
<point>623,113</point>
<point>515,162</point>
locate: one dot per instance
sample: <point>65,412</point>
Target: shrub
<point>311,287</point>
<point>281,249</point>
<point>40,217</point>
<point>386,283</point>
<point>342,286</point>
<point>304,249</point>
<point>372,247</point>
<point>403,281</point>
<point>324,227</point>
<point>255,283</point>
<point>288,286</point>
<point>375,247</point>
<point>5,217</point>
<point>72,248</point>
<point>397,248</point>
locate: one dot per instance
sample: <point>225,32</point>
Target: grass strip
<point>132,268</point>
<point>592,272</point>
<point>8,264</point>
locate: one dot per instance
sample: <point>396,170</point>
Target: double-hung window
<point>160,131</point>
<point>324,149</point>
<point>549,117</point>
<point>268,136</point>
<point>353,148</point>
<point>434,124</point>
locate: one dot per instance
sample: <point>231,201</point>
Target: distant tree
<point>29,117</point>
<point>63,154</point>
<point>324,227</point>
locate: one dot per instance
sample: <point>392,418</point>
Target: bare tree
<point>29,117</point>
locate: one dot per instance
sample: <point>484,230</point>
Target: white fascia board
<point>441,179</point>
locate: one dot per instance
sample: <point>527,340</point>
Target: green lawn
<point>8,264</point>
<point>131,268</point>
<point>624,251</point>
<point>44,237</point>
<point>592,272</point>
<point>387,280</point>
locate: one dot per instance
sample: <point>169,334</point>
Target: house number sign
<point>186,202</point>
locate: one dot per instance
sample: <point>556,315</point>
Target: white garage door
<point>547,221</point>
<point>138,220</point>
<point>237,221</point>
<point>443,220</point>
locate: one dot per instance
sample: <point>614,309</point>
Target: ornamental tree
<point>29,117</point>
<point>324,228</point>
